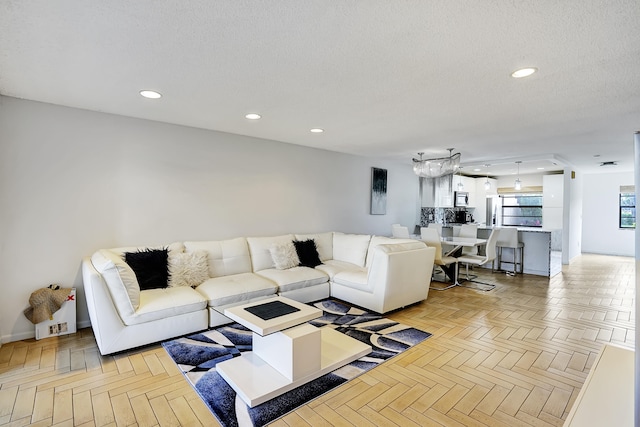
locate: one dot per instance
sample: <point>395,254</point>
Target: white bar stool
<point>508,238</point>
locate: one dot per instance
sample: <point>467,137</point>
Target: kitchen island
<point>541,249</point>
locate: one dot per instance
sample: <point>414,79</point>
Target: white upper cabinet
<point>552,201</point>
<point>470,187</point>
<point>552,190</point>
<point>437,192</point>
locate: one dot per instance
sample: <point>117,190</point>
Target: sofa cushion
<point>284,255</point>
<point>120,279</point>
<point>259,249</point>
<point>307,253</point>
<point>188,268</point>
<point>226,257</point>
<point>332,267</point>
<point>324,243</point>
<point>151,267</point>
<point>351,247</point>
<point>353,279</point>
<point>236,288</point>
<point>294,278</point>
<point>163,303</point>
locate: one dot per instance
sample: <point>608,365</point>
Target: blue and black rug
<point>198,354</point>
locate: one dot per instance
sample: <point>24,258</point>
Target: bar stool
<point>508,238</point>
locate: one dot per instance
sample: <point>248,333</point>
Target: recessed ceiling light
<point>317,130</point>
<point>253,116</point>
<point>151,94</point>
<point>540,169</point>
<point>523,72</point>
<point>477,170</point>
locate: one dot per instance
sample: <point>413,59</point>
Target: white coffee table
<point>287,352</point>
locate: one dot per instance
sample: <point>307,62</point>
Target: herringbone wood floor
<point>514,356</point>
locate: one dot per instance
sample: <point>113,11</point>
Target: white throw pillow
<point>284,255</point>
<point>188,268</point>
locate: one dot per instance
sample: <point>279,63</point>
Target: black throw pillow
<point>307,252</point>
<point>151,267</point>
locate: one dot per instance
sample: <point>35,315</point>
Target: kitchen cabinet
<point>470,187</point>
<point>552,200</point>
<point>437,192</point>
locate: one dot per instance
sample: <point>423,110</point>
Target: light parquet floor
<point>515,356</point>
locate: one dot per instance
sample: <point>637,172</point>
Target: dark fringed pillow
<point>307,252</point>
<point>150,266</point>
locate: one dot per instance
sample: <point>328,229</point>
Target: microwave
<point>461,198</point>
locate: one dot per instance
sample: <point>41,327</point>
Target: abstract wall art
<point>378,191</point>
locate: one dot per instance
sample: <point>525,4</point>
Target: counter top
<point>490,227</point>
<point>532,229</point>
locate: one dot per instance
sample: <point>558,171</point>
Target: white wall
<point>600,233</point>
<point>73,181</point>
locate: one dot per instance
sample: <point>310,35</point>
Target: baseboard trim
<point>19,336</point>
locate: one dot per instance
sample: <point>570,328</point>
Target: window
<point>627,212</point>
<point>522,210</point>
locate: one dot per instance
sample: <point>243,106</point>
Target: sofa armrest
<point>400,273</point>
<point>102,312</point>
<point>112,335</point>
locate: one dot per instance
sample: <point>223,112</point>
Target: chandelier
<point>433,168</point>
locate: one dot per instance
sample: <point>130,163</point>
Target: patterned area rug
<point>198,354</point>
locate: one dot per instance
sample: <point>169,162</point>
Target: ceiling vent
<point>608,163</point>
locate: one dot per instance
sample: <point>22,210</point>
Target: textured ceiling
<point>383,78</point>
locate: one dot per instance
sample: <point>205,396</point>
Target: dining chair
<point>436,226</point>
<point>469,230</point>
<point>399,231</point>
<point>448,264</point>
<point>478,260</point>
<point>509,239</point>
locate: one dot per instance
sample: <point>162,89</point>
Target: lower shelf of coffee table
<point>255,381</point>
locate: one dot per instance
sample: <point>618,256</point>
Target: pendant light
<point>518,183</point>
<point>487,184</point>
<point>460,184</point>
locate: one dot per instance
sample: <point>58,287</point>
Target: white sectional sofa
<point>376,273</point>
